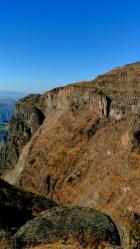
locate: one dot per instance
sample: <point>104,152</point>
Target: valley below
<point>6,111</point>
<point>7,108</point>
<point>70,166</point>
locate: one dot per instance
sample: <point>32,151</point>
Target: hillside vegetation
<point>80,145</point>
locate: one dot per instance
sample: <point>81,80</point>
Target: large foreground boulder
<point>86,226</point>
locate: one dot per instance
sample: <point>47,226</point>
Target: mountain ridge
<point>79,145</point>
<point>13,95</point>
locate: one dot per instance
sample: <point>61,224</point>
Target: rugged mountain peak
<point>80,144</point>
<point>124,78</point>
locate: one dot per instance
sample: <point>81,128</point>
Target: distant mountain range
<point>11,95</point>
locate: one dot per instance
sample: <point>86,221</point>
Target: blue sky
<point>48,43</point>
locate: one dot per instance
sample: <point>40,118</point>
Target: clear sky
<point>47,43</point>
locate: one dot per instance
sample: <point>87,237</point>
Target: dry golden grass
<point>5,240</point>
<point>57,246</point>
<point>71,246</point>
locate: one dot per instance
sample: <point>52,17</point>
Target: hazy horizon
<point>46,44</point>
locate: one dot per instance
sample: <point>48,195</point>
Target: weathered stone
<point>88,226</point>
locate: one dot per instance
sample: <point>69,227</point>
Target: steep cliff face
<point>85,148</point>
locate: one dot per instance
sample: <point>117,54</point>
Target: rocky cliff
<point>80,145</point>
